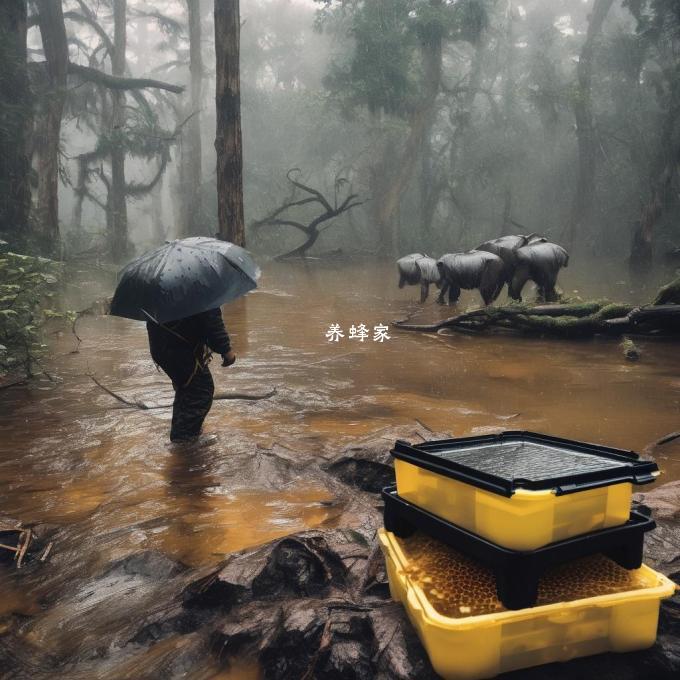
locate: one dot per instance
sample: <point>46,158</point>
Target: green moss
<point>630,350</point>
<point>669,294</point>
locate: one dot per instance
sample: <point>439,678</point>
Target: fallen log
<point>571,320</point>
<point>660,317</point>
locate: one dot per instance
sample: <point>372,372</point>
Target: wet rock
<point>345,649</point>
<point>375,581</point>
<point>147,564</point>
<point>183,623</point>
<point>367,464</point>
<point>662,546</point>
<point>300,565</point>
<point>664,501</point>
<point>291,648</point>
<point>364,474</point>
<point>240,634</point>
<point>398,655</point>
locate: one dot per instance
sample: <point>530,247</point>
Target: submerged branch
<point>144,406</point>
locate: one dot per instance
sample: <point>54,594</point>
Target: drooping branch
<point>134,189</point>
<point>119,83</point>
<point>313,229</point>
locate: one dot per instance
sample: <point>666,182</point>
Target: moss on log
<point>669,294</point>
<point>569,320</point>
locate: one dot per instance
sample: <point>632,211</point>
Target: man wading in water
<point>183,349</point>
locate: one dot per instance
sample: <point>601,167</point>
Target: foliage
<point>26,288</point>
<point>384,72</point>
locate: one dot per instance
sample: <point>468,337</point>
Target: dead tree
<point>313,229</point>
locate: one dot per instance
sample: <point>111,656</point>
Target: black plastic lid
<point>503,463</point>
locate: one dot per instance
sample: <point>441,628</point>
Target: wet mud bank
<point>312,604</point>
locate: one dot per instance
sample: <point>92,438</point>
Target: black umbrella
<point>183,278</point>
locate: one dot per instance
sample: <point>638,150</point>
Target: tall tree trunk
<point>118,232</point>
<point>420,126</point>
<point>379,181</point>
<point>509,102</point>
<point>663,173</point>
<point>15,113</point>
<point>53,34</point>
<point>191,144</point>
<point>15,108</point>
<point>461,119</point>
<point>228,141</point>
<point>584,199</point>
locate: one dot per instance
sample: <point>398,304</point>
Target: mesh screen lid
<point>510,460</point>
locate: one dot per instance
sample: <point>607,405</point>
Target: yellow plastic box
<point>521,490</point>
<point>484,646</point>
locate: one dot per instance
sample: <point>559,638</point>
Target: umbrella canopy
<point>182,278</point>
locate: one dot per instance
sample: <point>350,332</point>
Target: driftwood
<point>26,537</point>
<point>144,406</point>
<point>21,548</point>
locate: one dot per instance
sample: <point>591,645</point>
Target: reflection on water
<point>69,455</point>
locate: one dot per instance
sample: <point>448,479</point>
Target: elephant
<point>540,262</point>
<point>418,268</point>
<point>506,248</point>
<point>474,269</point>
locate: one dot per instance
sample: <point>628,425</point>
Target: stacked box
<point>506,513</point>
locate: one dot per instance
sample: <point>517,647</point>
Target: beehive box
<point>585,608</point>
<point>517,572</point>
<point>521,490</point>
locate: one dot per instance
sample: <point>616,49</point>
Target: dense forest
<point>450,122</point>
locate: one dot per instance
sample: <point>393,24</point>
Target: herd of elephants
<point>512,259</point>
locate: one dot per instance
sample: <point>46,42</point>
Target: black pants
<point>191,405</point>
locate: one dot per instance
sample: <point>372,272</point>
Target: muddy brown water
<point>71,456</point>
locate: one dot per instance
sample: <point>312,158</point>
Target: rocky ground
<point>311,605</point>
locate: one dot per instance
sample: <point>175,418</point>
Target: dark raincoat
<point>182,349</point>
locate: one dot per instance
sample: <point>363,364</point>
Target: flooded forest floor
<point>143,580</point>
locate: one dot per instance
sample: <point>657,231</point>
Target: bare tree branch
<point>319,196</point>
<point>116,83</point>
<point>313,229</point>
